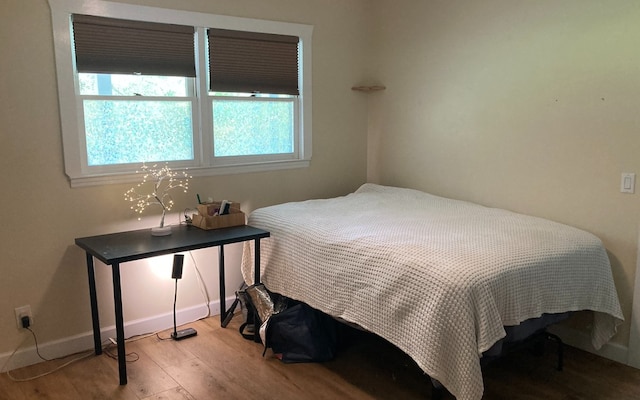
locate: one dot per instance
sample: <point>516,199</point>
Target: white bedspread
<point>439,278</point>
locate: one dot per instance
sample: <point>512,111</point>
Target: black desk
<point>113,249</point>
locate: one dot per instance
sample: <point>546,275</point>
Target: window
<point>134,118</point>
<point>253,83</point>
<point>211,93</point>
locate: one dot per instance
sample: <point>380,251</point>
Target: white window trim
<point>72,136</point>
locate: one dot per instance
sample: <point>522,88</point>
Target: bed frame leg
<point>560,344</point>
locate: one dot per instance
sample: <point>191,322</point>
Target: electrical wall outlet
<point>24,311</point>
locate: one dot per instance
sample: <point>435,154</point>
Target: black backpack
<point>296,332</point>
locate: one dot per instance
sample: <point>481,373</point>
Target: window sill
<point>114,178</point>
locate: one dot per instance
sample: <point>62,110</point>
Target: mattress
<point>438,278</point>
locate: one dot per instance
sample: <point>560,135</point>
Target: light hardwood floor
<point>219,364</point>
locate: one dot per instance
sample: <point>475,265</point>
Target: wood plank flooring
<point>219,364</point>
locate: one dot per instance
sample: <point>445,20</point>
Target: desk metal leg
<point>256,280</point>
<point>97,341</point>
<point>223,301</point>
<point>256,257</point>
<point>117,300</point>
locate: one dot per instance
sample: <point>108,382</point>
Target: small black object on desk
<point>116,248</point>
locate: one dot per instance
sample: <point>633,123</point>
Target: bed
<point>438,278</point>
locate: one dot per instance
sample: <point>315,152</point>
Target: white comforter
<point>439,278</point>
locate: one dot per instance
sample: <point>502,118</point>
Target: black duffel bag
<point>301,333</point>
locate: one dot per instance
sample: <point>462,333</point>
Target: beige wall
<point>526,105</point>
<point>41,214</point>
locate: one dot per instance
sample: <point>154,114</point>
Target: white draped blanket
<point>439,278</point>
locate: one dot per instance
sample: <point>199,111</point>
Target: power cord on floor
<point>107,349</point>
<point>81,356</point>
<point>163,338</point>
<point>129,357</point>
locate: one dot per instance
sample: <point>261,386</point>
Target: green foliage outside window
<point>135,118</point>
<point>252,127</point>
<point>122,131</point>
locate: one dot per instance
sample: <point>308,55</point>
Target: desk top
<point>121,247</point>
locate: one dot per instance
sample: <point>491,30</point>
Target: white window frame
<point>72,120</point>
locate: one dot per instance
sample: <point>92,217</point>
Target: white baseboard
<point>84,341</point>
<point>582,340</point>
<point>74,344</point>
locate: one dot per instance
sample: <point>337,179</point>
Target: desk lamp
<point>176,273</point>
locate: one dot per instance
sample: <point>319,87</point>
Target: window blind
<point>248,62</point>
<point>108,45</point>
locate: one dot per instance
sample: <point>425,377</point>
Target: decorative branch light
<point>163,180</point>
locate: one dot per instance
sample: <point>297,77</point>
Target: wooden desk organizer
<point>206,218</point>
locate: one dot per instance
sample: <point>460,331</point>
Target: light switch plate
<point>628,182</point>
